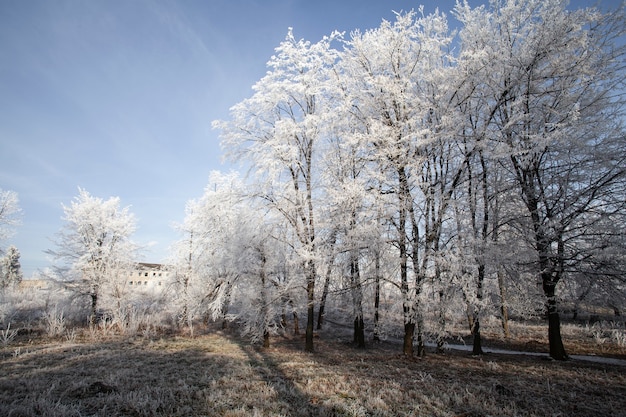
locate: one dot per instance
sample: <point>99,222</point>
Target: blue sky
<point>117,97</point>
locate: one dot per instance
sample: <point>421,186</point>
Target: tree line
<point>408,172</point>
<point>441,158</point>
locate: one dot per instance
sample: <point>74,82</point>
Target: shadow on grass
<point>291,387</point>
<point>293,401</point>
<point>204,376</point>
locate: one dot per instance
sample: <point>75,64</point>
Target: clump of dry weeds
<point>217,374</point>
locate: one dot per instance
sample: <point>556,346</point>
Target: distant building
<point>143,277</point>
<point>149,277</point>
<point>36,284</point>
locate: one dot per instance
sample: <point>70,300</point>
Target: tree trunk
<point>377,297</point>
<point>409,331</point>
<point>421,347</point>
<point>296,323</point>
<point>310,290</point>
<point>320,316</point>
<point>504,311</point>
<point>94,308</point>
<point>226,305</point>
<point>477,348</point>
<point>404,202</point>
<point>557,349</point>
<point>359,332</point>
<point>266,339</point>
<point>442,322</point>
<point>357,300</point>
<point>329,270</point>
<point>264,303</point>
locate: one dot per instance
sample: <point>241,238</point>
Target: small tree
<point>94,245</point>
<point>11,268</point>
<point>9,213</point>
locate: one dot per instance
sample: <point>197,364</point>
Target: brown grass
<point>218,374</point>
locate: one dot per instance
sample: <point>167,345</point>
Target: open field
<point>218,374</point>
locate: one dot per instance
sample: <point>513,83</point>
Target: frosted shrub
<point>105,326</point>
<point>70,335</point>
<point>7,335</point>
<point>619,337</point>
<point>604,331</point>
<point>54,320</point>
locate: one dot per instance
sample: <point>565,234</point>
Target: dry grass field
<point>216,373</point>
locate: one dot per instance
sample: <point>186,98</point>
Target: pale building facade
<point>149,277</point>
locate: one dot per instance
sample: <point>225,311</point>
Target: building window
<point>145,283</point>
<point>130,283</point>
<point>146,274</point>
<point>159,282</point>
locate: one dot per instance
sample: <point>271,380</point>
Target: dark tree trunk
<point>377,298</point>
<point>477,348</point>
<point>359,332</point>
<point>266,339</point>
<point>409,331</point>
<point>296,323</point>
<point>357,299</point>
<point>320,315</point>
<point>557,349</point>
<point>550,265</point>
<point>94,308</point>
<point>329,270</point>
<point>310,290</point>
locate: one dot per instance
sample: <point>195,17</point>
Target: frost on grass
<point>220,375</point>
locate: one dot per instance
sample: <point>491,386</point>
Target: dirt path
<point>344,330</point>
<point>586,358</point>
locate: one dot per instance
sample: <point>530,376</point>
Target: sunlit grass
<point>218,374</point>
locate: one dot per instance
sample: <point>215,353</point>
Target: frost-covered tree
<point>9,213</point>
<point>207,257</point>
<point>94,250</point>
<point>278,133</point>
<point>552,83</point>
<point>231,264</point>
<point>353,221</point>
<point>10,268</point>
<point>395,85</point>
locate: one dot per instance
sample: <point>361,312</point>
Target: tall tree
<point>277,132</point>
<point>94,246</point>
<point>392,76</point>
<point>553,79</point>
